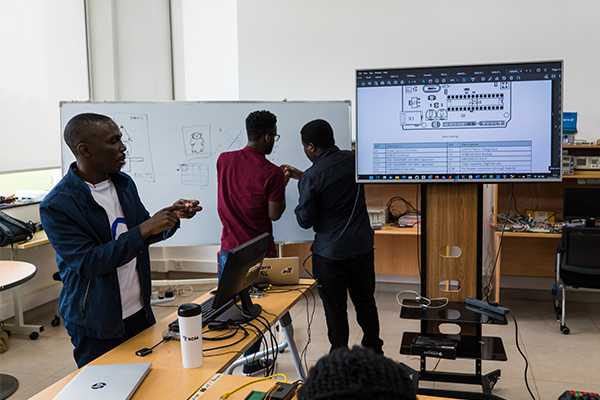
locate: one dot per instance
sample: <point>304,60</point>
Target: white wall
<point>309,50</point>
<point>205,50</point>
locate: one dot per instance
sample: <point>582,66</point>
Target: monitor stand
<point>244,312</point>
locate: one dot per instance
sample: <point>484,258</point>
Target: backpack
<point>13,230</point>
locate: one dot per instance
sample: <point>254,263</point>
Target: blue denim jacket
<point>88,257</point>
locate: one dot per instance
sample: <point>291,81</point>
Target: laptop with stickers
<point>279,271</point>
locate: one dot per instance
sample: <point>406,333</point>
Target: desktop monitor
<point>490,123</point>
<point>240,271</point>
<point>582,203</point>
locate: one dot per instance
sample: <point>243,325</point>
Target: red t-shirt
<point>247,181</point>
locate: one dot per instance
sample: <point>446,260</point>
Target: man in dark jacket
<point>101,231</point>
<point>333,204</point>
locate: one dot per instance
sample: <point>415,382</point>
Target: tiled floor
<point>557,362</point>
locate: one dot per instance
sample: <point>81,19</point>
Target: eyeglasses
<point>275,137</point>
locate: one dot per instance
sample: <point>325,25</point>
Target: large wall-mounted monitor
<point>485,123</point>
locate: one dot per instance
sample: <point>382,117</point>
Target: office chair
<point>577,265</point>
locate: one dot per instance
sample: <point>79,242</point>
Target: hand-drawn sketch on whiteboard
<point>238,142</point>
<point>197,140</point>
<point>138,156</point>
<point>194,174</point>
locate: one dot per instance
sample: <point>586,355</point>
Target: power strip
<point>486,306</point>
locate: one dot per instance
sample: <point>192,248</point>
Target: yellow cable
<point>227,394</point>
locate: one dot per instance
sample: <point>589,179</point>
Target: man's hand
<point>191,208</point>
<point>291,172</point>
<point>163,220</point>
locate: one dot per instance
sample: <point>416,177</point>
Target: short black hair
<point>356,374</point>
<point>80,126</point>
<point>319,133</point>
<point>260,122</point>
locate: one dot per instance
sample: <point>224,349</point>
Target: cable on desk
<point>233,330</point>
<point>227,394</point>
<point>246,334</point>
<point>145,351</point>
<point>239,353</point>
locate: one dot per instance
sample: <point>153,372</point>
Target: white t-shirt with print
<point>105,194</point>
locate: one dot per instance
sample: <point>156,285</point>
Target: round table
<point>15,273</point>
<point>12,275</point>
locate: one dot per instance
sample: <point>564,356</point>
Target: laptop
<point>279,271</point>
<point>109,381</point>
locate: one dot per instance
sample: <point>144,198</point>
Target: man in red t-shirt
<point>251,195</point>
<point>251,188</point>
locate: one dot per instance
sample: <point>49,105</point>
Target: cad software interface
<point>484,122</point>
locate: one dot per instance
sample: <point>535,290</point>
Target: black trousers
<point>336,279</point>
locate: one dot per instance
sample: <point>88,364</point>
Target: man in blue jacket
<point>333,204</point>
<point>101,231</point>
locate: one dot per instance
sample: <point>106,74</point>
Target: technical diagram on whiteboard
<point>138,157</point>
<point>461,105</point>
<point>194,174</point>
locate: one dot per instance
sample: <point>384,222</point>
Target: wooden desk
<point>168,379</point>
<point>39,238</point>
<point>396,250</point>
<point>526,254</point>
<point>226,383</point>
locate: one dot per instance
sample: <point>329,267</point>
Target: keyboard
<point>579,395</point>
<point>208,313</point>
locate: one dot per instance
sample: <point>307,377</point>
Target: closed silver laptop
<point>108,381</point>
<point>279,271</point>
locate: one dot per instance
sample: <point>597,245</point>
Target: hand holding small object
<point>291,172</point>
<point>190,209</point>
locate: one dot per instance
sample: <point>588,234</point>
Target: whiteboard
<point>172,151</point>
